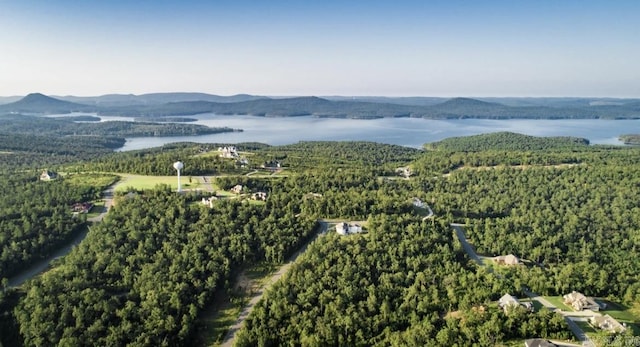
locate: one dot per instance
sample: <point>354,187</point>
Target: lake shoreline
<point>409,132</point>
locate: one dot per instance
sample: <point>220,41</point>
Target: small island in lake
<point>630,139</point>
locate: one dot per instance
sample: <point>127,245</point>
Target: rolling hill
<point>185,104</point>
<point>40,103</point>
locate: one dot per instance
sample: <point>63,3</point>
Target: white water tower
<point>178,166</point>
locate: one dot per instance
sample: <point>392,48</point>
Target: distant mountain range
<point>182,104</point>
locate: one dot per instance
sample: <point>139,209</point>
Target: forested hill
<point>181,104</point>
<point>39,103</point>
<point>506,141</point>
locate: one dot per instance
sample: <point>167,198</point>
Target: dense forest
<point>24,124</point>
<point>143,274</point>
<point>506,141</point>
<point>146,272</point>
<point>35,216</point>
<point>405,283</point>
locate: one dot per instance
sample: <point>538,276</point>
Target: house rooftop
<point>538,343</point>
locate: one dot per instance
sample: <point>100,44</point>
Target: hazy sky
<point>350,47</point>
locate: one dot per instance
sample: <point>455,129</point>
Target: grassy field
<point>557,302</point>
<point>150,182</point>
<point>91,179</point>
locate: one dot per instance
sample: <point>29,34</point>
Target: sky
<point>351,47</point>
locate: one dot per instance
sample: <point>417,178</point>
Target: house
<point>508,259</point>
<point>237,189</point>
<point>209,201</point>
<point>347,228</point>
<point>403,171</point>
<point>607,323</point>
<point>418,203</point>
<point>508,301</point>
<point>242,162</point>
<point>271,165</point>
<point>580,302</point>
<point>48,175</point>
<point>81,207</point>
<point>228,152</point>
<point>262,196</point>
<point>538,343</point>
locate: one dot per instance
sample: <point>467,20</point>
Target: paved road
<point>467,247</point>
<point>107,195</point>
<point>42,265</point>
<point>246,311</point>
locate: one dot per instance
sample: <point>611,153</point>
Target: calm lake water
<point>411,132</point>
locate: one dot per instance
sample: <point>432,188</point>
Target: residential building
<point>237,189</point>
<point>209,201</point>
<point>48,175</point>
<point>81,207</point>
<point>607,323</point>
<point>508,259</point>
<point>538,343</point>
<point>580,302</point>
<point>228,152</point>
<point>346,228</point>
<point>262,196</point>
<point>507,302</point>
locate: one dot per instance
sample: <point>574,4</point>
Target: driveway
<point>465,245</point>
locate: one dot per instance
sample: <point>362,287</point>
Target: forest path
<point>246,311</point>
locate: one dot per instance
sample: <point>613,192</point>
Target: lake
<point>411,132</point>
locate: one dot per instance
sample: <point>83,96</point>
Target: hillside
<point>450,109</point>
<point>39,103</point>
<point>506,141</point>
<point>184,104</point>
<point>116,100</point>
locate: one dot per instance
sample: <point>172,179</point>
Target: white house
<point>508,259</point>
<point>347,228</point>
<point>237,189</point>
<point>48,175</point>
<point>538,343</point>
<point>508,301</point>
<point>209,201</point>
<point>228,152</point>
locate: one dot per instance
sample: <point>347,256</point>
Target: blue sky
<point>393,48</point>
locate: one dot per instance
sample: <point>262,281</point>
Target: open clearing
<point>149,182</point>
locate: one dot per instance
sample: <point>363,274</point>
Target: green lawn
<point>619,312</point>
<point>537,306</point>
<point>557,302</point>
<point>98,207</point>
<point>586,327</point>
<point>150,182</point>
